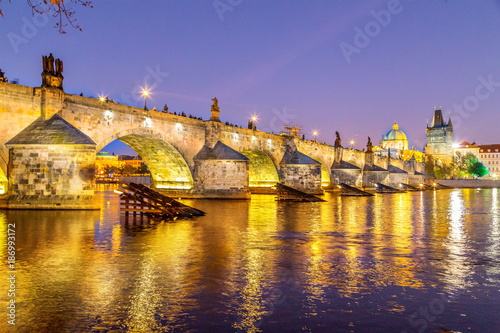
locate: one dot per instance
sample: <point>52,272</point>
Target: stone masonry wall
<point>222,178</point>
<point>19,107</point>
<point>471,183</point>
<point>370,178</point>
<point>302,177</point>
<point>347,176</point>
<point>54,175</point>
<point>394,179</point>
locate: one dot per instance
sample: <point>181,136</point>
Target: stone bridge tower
<point>440,138</point>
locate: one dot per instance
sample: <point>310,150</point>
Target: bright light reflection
<point>174,187</point>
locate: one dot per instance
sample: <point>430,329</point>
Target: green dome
<point>395,135</point>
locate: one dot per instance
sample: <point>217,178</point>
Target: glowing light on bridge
<point>108,115</point>
<point>179,127</point>
<point>315,134</point>
<point>147,122</point>
<point>269,142</point>
<point>145,93</point>
<point>102,98</point>
<point>2,189</point>
<point>253,138</point>
<point>235,137</point>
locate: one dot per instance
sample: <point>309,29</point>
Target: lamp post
<point>254,120</point>
<point>315,134</point>
<point>352,143</point>
<point>145,92</point>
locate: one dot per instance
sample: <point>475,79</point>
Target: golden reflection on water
<point>455,241</point>
<point>3,235</point>
<point>257,263</point>
<point>145,299</point>
<point>246,261</point>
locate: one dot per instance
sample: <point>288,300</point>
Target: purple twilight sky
<point>348,66</point>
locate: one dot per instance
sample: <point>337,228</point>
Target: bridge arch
<point>325,173</point>
<point>3,182</point>
<point>168,165</point>
<point>262,170</point>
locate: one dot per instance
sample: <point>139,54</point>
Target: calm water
<point>390,263</point>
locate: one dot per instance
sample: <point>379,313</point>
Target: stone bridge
<point>49,140</point>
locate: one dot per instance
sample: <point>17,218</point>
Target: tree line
<point>126,170</point>
<point>461,166</point>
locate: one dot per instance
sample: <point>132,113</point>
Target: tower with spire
<point>440,138</point>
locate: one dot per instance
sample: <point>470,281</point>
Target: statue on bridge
<point>2,77</point>
<point>59,67</point>
<point>369,146</point>
<point>52,76</point>
<point>215,106</point>
<point>215,110</point>
<point>337,140</point>
<point>48,65</point>
<point>45,61</point>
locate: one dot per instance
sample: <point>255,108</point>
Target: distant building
<point>102,159</point>
<point>395,139</point>
<point>489,155</point>
<point>396,142</point>
<point>440,138</point>
<point>465,148</point>
<point>134,161</point>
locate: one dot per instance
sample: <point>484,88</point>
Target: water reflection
<point>353,264</point>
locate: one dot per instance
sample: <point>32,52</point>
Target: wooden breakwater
<point>140,199</point>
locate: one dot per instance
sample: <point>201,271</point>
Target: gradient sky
<point>281,60</point>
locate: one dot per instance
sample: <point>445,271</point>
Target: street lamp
<point>352,143</point>
<point>315,134</point>
<point>145,92</point>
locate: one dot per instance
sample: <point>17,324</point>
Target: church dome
<point>394,139</point>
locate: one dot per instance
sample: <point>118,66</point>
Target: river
<point>411,262</point>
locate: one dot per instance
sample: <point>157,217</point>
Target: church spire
<point>449,122</point>
<point>437,120</point>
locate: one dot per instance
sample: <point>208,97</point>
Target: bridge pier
<point>300,171</point>
<point>51,166</point>
<point>221,172</point>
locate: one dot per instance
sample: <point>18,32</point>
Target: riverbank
<point>470,183</point>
